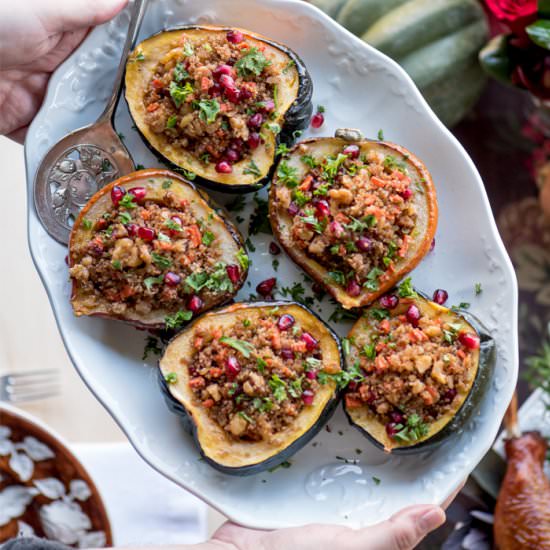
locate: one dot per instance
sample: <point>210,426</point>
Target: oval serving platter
<point>339,477</point>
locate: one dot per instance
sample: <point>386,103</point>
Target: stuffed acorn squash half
<point>217,101</point>
<point>356,215</point>
<point>151,250</point>
<point>419,371</point>
<point>254,382</point>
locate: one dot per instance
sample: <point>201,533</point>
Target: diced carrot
<point>299,347</point>
<point>369,199</point>
<point>261,47</point>
<point>352,402</point>
<point>197,343</point>
<point>276,339</point>
<point>380,346</point>
<point>427,397</point>
<point>243,46</point>
<point>163,245</point>
<point>194,234</point>
<point>215,372</point>
<point>197,382</point>
<point>208,403</point>
<point>217,333</point>
<point>152,107</point>
<point>404,247</point>
<point>460,353</point>
<point>206,83</point>
<point>402,318</point>
<point>384,325</point>
<point>157,83</point>
<point>145,214</point>
<point>377,182</point>
<point>127,291</point>
<point>381,363</point>
<point>286,372</point>
<point>306,184</point>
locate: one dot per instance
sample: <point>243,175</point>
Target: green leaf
<point>177,319</point>
<point>87,224</point>
<point>539,33</point>
<point>208,238</point>
<point>252,63</point>
<point>252,169</point>
<point>150,281</point>
<point>287,174</point>
<point>171,377</point>
<point>171,122</point>
<point>188,49</point>
<point>406,289</point>
<point>380,135</point>
<point>242,347</point>
<point>128,202</point>
<point>278,387</point>
<point>151,347</point>
<point>209,109</point>
<point>243,258</point>
<point>179,94</point>
<point>125,218</point>
<point>171,224</point>
<point>179,72</point>
<point>261,364</point>
<point>242,414</point>
<point>162,262</point>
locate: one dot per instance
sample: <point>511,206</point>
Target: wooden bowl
<point>44,489</point>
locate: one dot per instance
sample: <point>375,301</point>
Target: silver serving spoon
<point>86,159</point>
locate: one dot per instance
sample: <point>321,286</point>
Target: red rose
<point>515,14</point>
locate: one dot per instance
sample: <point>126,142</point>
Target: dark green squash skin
<point>295,120</point>
<point>487,358</point>
<point>178,409</point>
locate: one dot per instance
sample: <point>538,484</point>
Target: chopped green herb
<point>261,364</point>
<point>477,289</point>
<point>376,480</point>
<point>140,56</point>
<point>275,264</point>
<point>87,224</point>
<point>151,347</point>
<point>171,377</point>
<point>252,63</point>
<point>286,464</point>
<point>462,305</point>
<point>406,289</point>
<point>380,135</point>
<point>188,49</point>
<point>243,258</point>
<point>179,94</point>
<point>150,281</point>
<point>125,218</point>
<point>288,66</point>
<point>379,313</point>
<point>338,277</point>
<point>259,220</point>
<point>332,165</point>
<point>117,265</point>
<point>166,184</point>
<point>282,149</point>
<point>209,109</point>
<point>295,387</point>
<point>369,350</point>
<point>237,204</point>
<point>278,388</point>
<point>242,414</point>
<point>128,201</point>
<point>171,122</point>
<point>208,238</point>
<point>180,73</point>
<point>162,262</point>
<point>242,347</point>
<point>171,224</point>
<point>288,175</point>
<point>233,389</point>
<point>252,169</point>
<point>177,319</point>
<point>299,197</point>
<point>413,430</point>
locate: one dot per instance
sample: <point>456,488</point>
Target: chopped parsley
<point>162,262</point>
<point>295,387</point>
<point>128,202</point>
<point>477,289</point>
<point>288,175</point>
<point>188,49</point>
<point>243,258</point>
<point>406,289</point>
<point>140,56</point>
<point>297,293</point>
<point>237,204</point>
<point>125,218</point>
<point>278,387</point>
<point>332,165</point>
<point>259,220</point>
<point>380,135</point>
<point>261,364</point>
<point>286,464</point>
<point>364,223</point>
<point>252,63</point>
<point>372,279</point>
<point>116,264</point>
<point>242,414</point>
<point>413,429</point>
<point>150,281</point>
<point>369,350</point>
<point>252,169</point>
<point>338,277</point>
<point>177,319</point>
<point>208,238</point>
<point>309,161</point>
<point>242,347</point>
<point>171,224</point>
<point>282,149</point>
<point>376,480</point>
<point>209,109</point>
<point>218,280</point>
<point>171,377</point>
<point>462,305</point>
<point>151,347</point>
<point>180,73</point>
<point>171,122</point>
<point>178,93</point>
<point>379,313</point>
<point>87,224</point>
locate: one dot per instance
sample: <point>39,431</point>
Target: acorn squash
<point>330,206</point>
<point>435,41</point>
<point>253,382</point>
<point>419,371</point>
<point>217,101</point>
<point>152,250</point>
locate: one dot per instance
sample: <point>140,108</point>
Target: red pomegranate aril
<point>233,272</point>
<point>225,69</point>
<point>116,194</point>
<point>132,229</point>
<point>265,288</point>
<point>293,209</point>
<point>194,304</point>
<point>227,81</point>
<point>352,386</point>
<point>449,395</point>
<point>407,193</point>
<point>432,246</point>
<point>215,90</point>
<point>322,209</point>
<point>232,367</point>
<point>235,37</point>
<point>413,315</point>
<point>287,354</point>
<point>255,121</point>
<point>223,167</point>
<point>311,343</point>
<point>146,233</point>
<point>66,259</point>
<point>285,322</point>
<point>353,288</point>
<point>311,375</point>
<point>172,279</point>
<point>469,340</point>
<point>307,397</point>
<point>95,249</point>
<point>274,248</point>
<point>232,94</point>
<point>337,228</point>
<point>139,193</point>
<point>317,120</point>
<point>397,417</point>
<point>352,151</point>
<point>231,155</point>
<point>440,296</point>
<point>244,94</point>
<point>391,428</point>
<point>363,244</point>
<point>254,140</point>
<point>389,301</point>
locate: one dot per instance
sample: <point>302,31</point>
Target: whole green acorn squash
<point>435,41</point>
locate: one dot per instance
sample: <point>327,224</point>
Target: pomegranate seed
<point>285,321</point>
<point>265,288</point>
<point>353,288</point>
<point>235,37</point>
<point>138,192</point>
<point>254,140</point>
<point>353,386</point>
<point>311,343</point>
<point>215,90</point>
<point>293,209</point>
<point>432,246</point>
<point>223,167</point>
<point>225,69</point>
<point>449,395</point>
<point>311,375</point>
<point>267,106</point>
<point>322,208</point>
<point>390,428</point>
<point>146,233</point>
<point>287,354</point>
<point>413,315</point>
<point>231,155</point>
<point>116,194</point>
<point>363,244</point>
<point>255,121</point>
<point>469,340</point>
<point>232,367</point>
<point>337,228</point>
<point>407,193</point>
<point>232,95</point>
<point>172,279</point>
<point>317,289</point>
<point>389,301</point>
<point>274,248</point>
<point>397,417</point>
<point>440,296</point>
<point>234,273</point>
<point>352,151</point>
<point>317,120</point>
<point>67,259</point>
<point>95,249</point>
<point>244,94</point>
<point>237,144</point>
<point>194,304</point>
<point>227,81</point>
<point>132,229</point>
<point>307,397</point>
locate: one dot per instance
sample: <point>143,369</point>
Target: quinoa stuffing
<point>413,367</point>
<point>351,212</point>
<point>144,255</point>
<point>256,376</point>
<point>215,96</point>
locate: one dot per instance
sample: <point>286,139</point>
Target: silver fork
<point>29,385</point>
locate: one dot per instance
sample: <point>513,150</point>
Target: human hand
<point>36,36</point>
<point>403,531</point>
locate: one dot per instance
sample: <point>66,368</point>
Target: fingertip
<point>431,519</point>
<point>107,9</point>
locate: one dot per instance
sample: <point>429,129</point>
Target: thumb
<point>72,15</point>
<point>404,530</point>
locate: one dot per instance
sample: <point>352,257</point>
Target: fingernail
<point>431,519</point>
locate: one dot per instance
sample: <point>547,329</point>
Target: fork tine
<point>19,396</point>
<point>29,373</point>
<point>31,381</point>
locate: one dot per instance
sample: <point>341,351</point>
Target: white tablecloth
<point>143,506</point>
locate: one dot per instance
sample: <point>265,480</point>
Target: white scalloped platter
<point>360,88</point>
